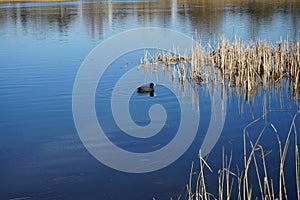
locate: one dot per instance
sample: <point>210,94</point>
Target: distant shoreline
<point>39,1</point>
<point>30,1</point>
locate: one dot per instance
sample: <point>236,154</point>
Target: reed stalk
<point>246,67</point>
<point>257,67</point>
<point>226,176</point>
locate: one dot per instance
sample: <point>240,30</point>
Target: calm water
<point>42,46</point>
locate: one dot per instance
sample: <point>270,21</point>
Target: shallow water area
<point>43,46</point>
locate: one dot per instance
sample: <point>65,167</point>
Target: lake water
<point>42,46</point>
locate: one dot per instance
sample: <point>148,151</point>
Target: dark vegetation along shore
<point>183,2</point>
<point>24,1</point>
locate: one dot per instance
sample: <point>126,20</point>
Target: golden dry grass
<point>227,177</point>
<point>247,68</point>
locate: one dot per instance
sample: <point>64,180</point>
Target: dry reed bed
<point>255,158</point>
<point>258,66</point>
<point>246,67</point>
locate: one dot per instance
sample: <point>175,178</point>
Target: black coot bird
<point>146,89</point>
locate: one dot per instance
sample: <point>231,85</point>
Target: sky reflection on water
<point>42,47</point>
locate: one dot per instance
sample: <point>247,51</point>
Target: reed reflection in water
<point>103,18</point>
<point>278,67</point>
<point>247,69</point>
